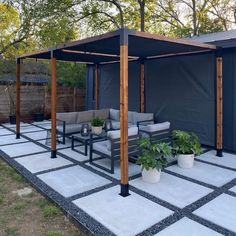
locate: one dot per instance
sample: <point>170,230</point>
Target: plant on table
<point>97,125</point>
<point>153,158</point>
<point>186,145</point>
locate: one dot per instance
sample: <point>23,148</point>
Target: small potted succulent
<point>153,158</point>
<point>97,125</point>
<point>186,146</point>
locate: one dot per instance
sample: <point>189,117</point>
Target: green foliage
<point>71,74</point>
<point>153,155</point>
<point>186,143</point>
<point>97,122</point>
<point>50,211</point>
<point>1,199</point>
<point>54,233</point>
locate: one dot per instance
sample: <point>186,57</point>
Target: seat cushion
<point>116,125</point>
<point>68,117</point>
<point>102,147</point>
<point>114,115</point>
<point>85,116</point>
<point>142,117</point>
<point>102,114</point>
<point>70,128</point>
<point>155,127</point>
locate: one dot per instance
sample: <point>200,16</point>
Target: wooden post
<point>97,84</point>
<point>18,98</point>
<point>142,87</point>
<point>54,109</point>
<point>124,120</point>
<point>219,98</point>
<point>74,99</point>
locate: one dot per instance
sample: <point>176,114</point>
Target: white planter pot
<point>97,129</point>
<point>185,160</point>
<point>151,175</point>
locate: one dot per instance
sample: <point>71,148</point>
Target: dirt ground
<point>31,215</point>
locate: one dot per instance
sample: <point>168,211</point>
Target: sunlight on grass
<point>50,211</point>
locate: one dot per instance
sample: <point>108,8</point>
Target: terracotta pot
<point>186,160</point>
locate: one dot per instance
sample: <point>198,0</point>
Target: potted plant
<point>153,158</point>
<point>11,92</point>
<point>97,125</point>
<point>39,113</point>
<point>186,146</point>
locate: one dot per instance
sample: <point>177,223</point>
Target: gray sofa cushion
<point>131,116</point>
<point>70,128</point>
<point>114,114</point>
<point>68,117</point>
<point>85,116</point>
<point>142,117</point>
<point>116,124</point>
<point>155,127</point>
<point>102,147</point>
<point>114,134</point>
<point>102,114</point>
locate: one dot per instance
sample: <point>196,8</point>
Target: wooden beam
<point>219,95</point>
<point>124,119</point>
<point>18,98</point>
<point>142,87</point>
<point>54,109</point>
<point>97,84</point>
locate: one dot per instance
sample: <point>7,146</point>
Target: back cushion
<point>114,114</point>
<point>131,116</point>
<point>158,126</point>
<point>68,117</point>
<point>85,116</point>
<point>142,117</point>
<point>116,134</point>
<point>102,114</point>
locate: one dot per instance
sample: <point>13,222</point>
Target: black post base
<point>124,190</point>
<point>54,154</point>
<point>17,135</point>
<point>219,152</point>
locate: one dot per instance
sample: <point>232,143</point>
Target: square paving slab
<point>123,216</point>
<point>206,173</point>
<point>74,155</point>
<point>73,180</point>
<point>233,189</point>
<point>187,227</point>
<point>30,128</point>
<point>133,168</point>
<point>228,160</point>
<point>41,162</point>
<point>37,135</point>
<point>11,139</point>
<point>21,149</point>
<point>221,211</point>
<point>5,132</point>
<point>176,191</point>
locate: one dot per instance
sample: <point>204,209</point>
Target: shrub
<point>96,122</point>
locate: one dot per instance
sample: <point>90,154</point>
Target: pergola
<point>120,46</point>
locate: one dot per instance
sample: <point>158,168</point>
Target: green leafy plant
<point>153,155</point>
<point>186,143</point>
<point>97,122</point>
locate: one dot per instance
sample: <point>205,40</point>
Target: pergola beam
<point>53,108</point>
<point>219,107</point>
<point>124,162</point>
<point>18,72</point>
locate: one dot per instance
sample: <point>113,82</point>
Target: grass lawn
<point>31,215</point>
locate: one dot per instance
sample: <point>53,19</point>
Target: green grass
<point>43,203</point>
<point>20,205</point>
<point>1,200</point>
<point>11,232</point>
<point>50,211</point>
<point>54,233</point>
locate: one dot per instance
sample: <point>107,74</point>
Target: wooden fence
<point>38,98</point>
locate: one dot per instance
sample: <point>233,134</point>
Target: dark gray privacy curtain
<point>229,99</point>
<point>182,91</point>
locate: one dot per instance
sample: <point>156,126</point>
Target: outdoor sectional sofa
<point>69,123</point>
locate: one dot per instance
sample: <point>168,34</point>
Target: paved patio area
<point>199,201</point>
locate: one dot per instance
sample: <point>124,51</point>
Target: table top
<point>95,136</point>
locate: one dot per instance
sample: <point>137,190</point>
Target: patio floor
<point>199,201</point>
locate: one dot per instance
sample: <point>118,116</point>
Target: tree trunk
<point>142,14</point>
<point>195,31</point>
